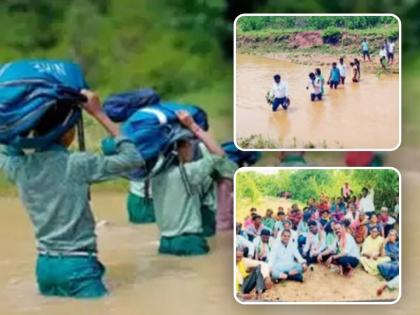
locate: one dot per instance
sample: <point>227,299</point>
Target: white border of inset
<point>317,14</point>
<point>256,169</point>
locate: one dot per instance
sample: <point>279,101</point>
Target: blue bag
<point>155,130</point>
<point>241,158</point>
<point>119,107</point>
<point>28,89</point>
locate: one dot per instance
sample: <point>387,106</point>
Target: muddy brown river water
<point>363,115</point>
<point>143,282</point>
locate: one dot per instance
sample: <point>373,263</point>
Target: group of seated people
<point>331,231</point>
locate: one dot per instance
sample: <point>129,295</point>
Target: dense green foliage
<point>304,184</point>
<point>249,23</point>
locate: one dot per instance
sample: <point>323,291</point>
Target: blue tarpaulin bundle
<point>241,158</point>
<point>119,107</point>
<point>28,89</point>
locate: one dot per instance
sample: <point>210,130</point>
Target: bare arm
<point>211,144</point>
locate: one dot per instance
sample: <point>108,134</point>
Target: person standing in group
<point>334,79</point>
<point>383,55</point>
<point>342,67</point>
<point>321,79</point>
<point>365,50</point>
<point>391,49</point>
<point>279,92</point>
<point>314,86</point>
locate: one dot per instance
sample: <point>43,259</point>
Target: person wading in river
<point>279,92</point>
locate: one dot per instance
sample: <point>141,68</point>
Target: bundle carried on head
<point>152,125</point>
<point>39,101</point>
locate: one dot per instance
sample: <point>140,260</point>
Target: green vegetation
<point>304,184</point>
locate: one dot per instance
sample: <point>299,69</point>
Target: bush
<point>331,35</point>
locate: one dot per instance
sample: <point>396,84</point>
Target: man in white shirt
<point>383,55</point>
<point>344,251</point>
<point>282,259</point>
<point>279,92</point>
<point>366,203</point>
<point>342,67</point>
<point>315,243</point>
<point>391,48</point>
<point>314,86</point>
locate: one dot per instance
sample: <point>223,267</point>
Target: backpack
<point>155,130</point>
<point>119,107</point>
<point>241,158</point>
<point>28,89</point>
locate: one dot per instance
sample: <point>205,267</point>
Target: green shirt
<point>53,186</point>
<point>180,191</point>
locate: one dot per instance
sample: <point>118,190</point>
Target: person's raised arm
<point>94,108</point>
<point>188,122</point>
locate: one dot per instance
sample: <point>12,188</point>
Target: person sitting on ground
<point>243,242</point>
<point>365,49</point>
<point>54,186</point>
<point>352,213</point>
<point>386,220</point>
<point>263,245</point>
<point>295,215</point>
<point>374,223</point>
<point>279,92</point>
<point>255,228</point>
<point>344,252</point>
<point>281,217</point>
<point>334,79</point>
<point>282,259</point>
<point>315,243</point>
<point>251,274</point>
<point>321,79</point>
<point>342,67</point>
<point>314,85</point>
<point>392,284</point>
<point>268,220</point>
<point>312,209</point>
<point>391,269</point>
<point>179,191</point>
<point>383,57</point>
<point>359,228</point>
<point>292,158</point>
<point>303,228</point>
<point>373,252</point>
<point>248,219</point>
<point>326,221</point>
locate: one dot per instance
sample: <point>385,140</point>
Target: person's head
<point>334,65</point>
<point>54,117</point>
<point>341,60</point>
<point>352,64</point>
<point>269,213</point>
<point>185,151</point>
<point>384,211</point>
<point>285,236</point>
<point>239,254</point>
<point>265,235</point>
<point>353,199</point>
<point>373,218</point>
<point>365,39</point>
<point>295,207</point>
<point>312,76</point>
<point>356,61</point>
<point>277,78</point>
<point>252,210</point>
<point>318,71</point>
<point>346,223</point>
<point>287,224</point>
<point>393,236</point>
<point>311,201</point>
<point>256,219</point>
<point>365,191</point>
<point>313,226</point>
<point>352,207</point>
<point>338,229</point>
<point>374,232</point>
<point>280,208</point>
<point>324,214</point>
<point>362,216</point>
<point>281,215</point>
<point>346,184</point>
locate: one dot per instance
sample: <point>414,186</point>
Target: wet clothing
<point>282,101</point>
<point>70,276</point>
<point>184,245</point>
<point>334,77</point>
<point>140,203</point>
<point>54,185</point>
<point>183,197</point>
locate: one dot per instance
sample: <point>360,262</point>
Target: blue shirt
<point>53,186</point>
<point>335,74</point>
<point>365,46</point>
